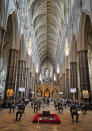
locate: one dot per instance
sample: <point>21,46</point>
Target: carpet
<point>52,119</point>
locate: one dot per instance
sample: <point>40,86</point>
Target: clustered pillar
<point>30,85</point>
<point>67,83</point>
<point>11,75</point>
<point>21,78</point>
<point>84,72</point>
<point>27,80</point>
<point>74,78</point>
<point>63,84</point>
<point>2,36</point>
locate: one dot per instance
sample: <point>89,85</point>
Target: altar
<point>47,90</point>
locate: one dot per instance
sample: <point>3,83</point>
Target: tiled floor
<point>8,123</point>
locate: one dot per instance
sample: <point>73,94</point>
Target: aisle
<point>49,107</point>
<point>7,121</point>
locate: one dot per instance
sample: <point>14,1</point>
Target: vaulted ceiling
<point>47,21</point>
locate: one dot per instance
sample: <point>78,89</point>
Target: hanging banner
<point>46,94</point>
<point>85,94</point>
<point>73,90</point>
<point>9,92</point>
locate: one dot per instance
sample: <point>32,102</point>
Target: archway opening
<point>88,42</point>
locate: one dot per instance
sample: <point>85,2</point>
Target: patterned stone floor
<point>8,123</point>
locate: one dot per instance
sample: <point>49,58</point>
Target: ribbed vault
<point>47,21</point>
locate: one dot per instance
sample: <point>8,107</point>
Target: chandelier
<point>66,47</point>
<point>54,77</point>
<point>37,68</point>
<point>29,47</point>
<point>40,78</point>
<point>58,68</point>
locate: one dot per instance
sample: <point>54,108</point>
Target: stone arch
<point>81,34</point>
<point>87,13</point>
<point>85,25</point>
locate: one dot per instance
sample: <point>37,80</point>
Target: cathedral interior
<point>45,60</point>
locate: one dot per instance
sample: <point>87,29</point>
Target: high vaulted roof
<point>47,21</point>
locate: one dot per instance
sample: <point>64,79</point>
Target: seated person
<point>39,104</point>
<point>60,108</point>
<point>56,105</point>
<point>83,107</point>
<point>32,104</point>
<point>12,106</point>
<point>74,112</point>
<point>35,107</point>
<point>20,110</point>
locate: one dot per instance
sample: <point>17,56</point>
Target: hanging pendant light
<point>66,47</point>
<point>58,68</point>
<point>40,78</point>
<point>66,41</point>
<point>3,72</point>
<point>29,47</point>
<point>37,68</point>
<point>54,77</point>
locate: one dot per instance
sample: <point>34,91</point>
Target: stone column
<point>33,85</point>
<point>27,81</point>
<point>36,78</point>
<point>63,85</point>
<point>84,71</point>
<point>57,79</point>
<point>74,78</point>
<point>60,86</point>
<point>11,74</point>
<point>21,78</point>
<point>2,36</point>
<point>67,83</point>
<point>30,85</point>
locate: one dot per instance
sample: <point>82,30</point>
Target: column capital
<point>82,51</point>
<point>73,62</point>
<point>3,29</point>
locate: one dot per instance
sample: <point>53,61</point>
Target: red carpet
<point>53,119</point>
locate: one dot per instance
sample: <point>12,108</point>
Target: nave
<point>45,54</point>
<point>8,123</point>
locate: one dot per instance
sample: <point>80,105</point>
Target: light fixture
<point>47,73</point>
<point>40,78</point>
<point>54,77</point>
<point>58,68</point>
<point>66,41</point>
<point>51,73</point>
<point>66,47</point>
<point>37,68</point>
<point>3,72</point>
<point>29,47</point>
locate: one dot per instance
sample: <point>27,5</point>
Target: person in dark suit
<point>74,112</point>
<point>20,110</point>
<point>12,106</point>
